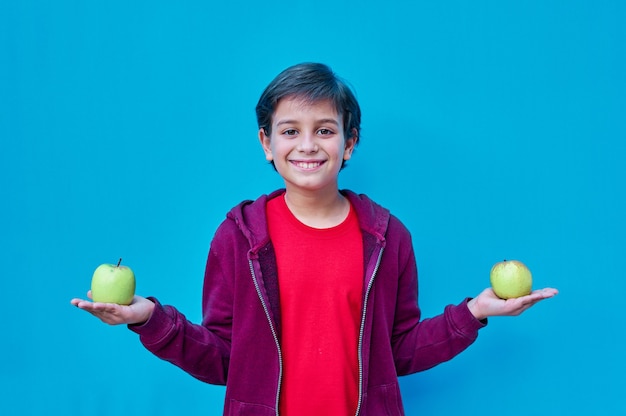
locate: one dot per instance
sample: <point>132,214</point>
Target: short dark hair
<point>312,82</point>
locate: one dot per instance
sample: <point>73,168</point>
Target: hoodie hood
<point>251,219</point>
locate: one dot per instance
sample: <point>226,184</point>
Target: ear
<point>350,145</point>
<point>265,143</point>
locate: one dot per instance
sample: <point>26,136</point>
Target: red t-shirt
<point>320,275</point>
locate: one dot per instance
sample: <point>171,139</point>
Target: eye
<point>325,132</point>
<point>290,132</point>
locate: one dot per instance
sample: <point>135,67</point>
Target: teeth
<point>307,165</point>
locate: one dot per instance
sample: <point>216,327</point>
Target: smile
<point>307,165</point>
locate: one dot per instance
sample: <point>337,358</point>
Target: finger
<point>529,301</point>
<point>97,307</point>
<point>81,303</point>
<point>110,308</point>
<point>76,301</point>
<point>545,292</point>
<point>540,294</point>
<point>549,292</point>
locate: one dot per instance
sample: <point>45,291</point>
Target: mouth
<point>307,165</point>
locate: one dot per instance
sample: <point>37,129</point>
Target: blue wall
<point>492,129</point>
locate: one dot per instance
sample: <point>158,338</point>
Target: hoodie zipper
<point>362,330</point>
<point>269,320</point>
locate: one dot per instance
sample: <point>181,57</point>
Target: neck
<point>318,210</point>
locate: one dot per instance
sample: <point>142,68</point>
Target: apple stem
<point>119,262</point>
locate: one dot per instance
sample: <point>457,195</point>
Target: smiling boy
<point>310,293</point>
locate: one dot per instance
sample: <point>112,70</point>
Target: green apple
<point>510,279</point>
<point>113,284</point>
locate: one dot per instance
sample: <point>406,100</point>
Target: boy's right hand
<point>138,312</point>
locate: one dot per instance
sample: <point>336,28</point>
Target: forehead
<point>301,108</point>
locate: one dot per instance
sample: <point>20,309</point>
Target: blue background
<point>492,129</point>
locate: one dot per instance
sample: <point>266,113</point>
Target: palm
<point>489,304</point>
<point>137,312</point>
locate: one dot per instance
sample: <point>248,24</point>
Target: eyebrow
<point>320,121</point>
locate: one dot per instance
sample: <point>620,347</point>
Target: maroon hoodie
<point>238,342</point>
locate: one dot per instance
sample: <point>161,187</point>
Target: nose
<point>308,143</point>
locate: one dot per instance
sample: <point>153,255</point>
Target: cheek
<point>280,149</point>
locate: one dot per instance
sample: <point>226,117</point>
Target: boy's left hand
<point>488,304</point>
<point>139,311</point>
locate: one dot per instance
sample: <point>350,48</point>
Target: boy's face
<point>307,144</point>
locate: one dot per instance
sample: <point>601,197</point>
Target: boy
<point>310,293</point>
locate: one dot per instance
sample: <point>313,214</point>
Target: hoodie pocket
<point>237,408</point>
<point>384,400</point>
